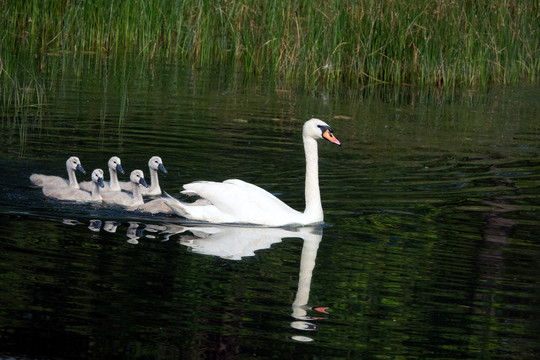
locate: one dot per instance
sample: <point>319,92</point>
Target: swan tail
<point>176,206</point>
<point>36,179</point>
<point>201,210</point>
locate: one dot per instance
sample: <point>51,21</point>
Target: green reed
<point>440,43</point>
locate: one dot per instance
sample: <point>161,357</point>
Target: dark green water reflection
<point>430,248</point>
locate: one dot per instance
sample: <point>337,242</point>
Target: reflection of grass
<point>23,93</point>
<point>334,42</point>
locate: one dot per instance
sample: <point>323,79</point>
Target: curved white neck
<point>72,178</point>
<point>137,195</point>
<point>95,191</point>
<point>113,183</point>
<point>154,182</point>
<point>313,196</point>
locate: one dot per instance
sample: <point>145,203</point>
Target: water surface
<point>429,247</point>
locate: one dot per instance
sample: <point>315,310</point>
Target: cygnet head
<point>97,177</point>
<point>115,164</point>
<point>137,177</point>
<point>155,163</point>
<point>318,129</point>
<point>74,163</point>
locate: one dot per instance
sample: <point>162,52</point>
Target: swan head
<point>155,163</point>
<point>73,163</point>
<point>97,177</point>
<point>137,177</point>
<point>115,164</point>
<point>318,129</point>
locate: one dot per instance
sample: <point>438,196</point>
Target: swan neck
<point>72,178</point>
<point>96,195</point>
<point>137,195</point>
<point>154,182</point>
<point>313,196</point>
<point>113,184</point>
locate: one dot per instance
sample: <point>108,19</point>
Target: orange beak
<point>328,135</point>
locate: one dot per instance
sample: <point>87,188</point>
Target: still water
<point>429,248</point>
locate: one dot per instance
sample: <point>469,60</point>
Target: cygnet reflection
<point>236,243</point>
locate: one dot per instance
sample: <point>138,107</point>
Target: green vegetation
<point>436,43</point>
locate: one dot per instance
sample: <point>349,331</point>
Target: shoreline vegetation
<point>442,44</point>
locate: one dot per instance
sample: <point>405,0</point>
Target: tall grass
<point>441,43</point>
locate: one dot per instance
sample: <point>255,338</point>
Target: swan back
<point>72,164</point>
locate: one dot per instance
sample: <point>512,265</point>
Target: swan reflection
<point>111,226</point>
<point>233,243</point>
<point>236,243</point>
<point>134,232</point>
<point>95,225</point>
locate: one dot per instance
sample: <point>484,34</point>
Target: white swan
<point>115,165</point>
<point>72,164</point>
<point>236,201</point>
<point>154,164</point>
<point>132,199</point>
<point>69,193</point>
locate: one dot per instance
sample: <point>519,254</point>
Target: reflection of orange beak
<point>321,309</point>
<point>328,135</point>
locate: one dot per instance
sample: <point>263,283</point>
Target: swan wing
<point>240,201</point>
<point>48,180</point>
<point>67,193</point>
<point>87,186</point>
<point>126,185</point>
<point>119,198</point>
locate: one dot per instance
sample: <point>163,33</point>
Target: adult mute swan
<point>69,193</point>
<point>72,164</point>
<point>236,201</point>
<point>114,165</point>
<point>154,164</point>
<point>132,199</point>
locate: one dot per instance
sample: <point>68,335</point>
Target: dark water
<point>430,247</point>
